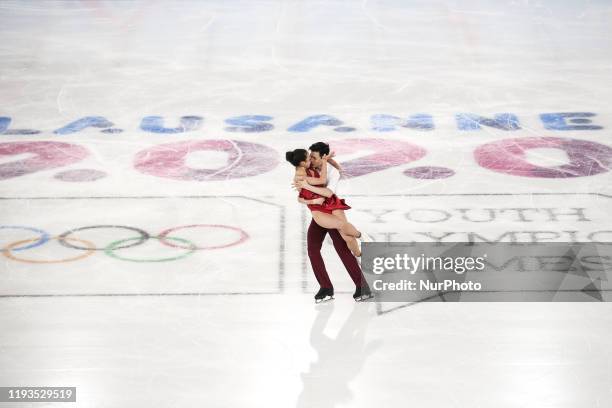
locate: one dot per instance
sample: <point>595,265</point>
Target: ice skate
<point>362,293</point>
<point>324,295</point>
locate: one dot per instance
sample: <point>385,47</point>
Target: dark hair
<point>296,157</point>
<point>321,147</point>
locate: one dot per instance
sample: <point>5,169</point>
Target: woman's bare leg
<point>330,221</point>
<point>336,220</point>
<point>350,236</point>
<point>349,229</point>
<point>352,244</point>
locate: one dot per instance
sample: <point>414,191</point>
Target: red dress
<point>330,204</point>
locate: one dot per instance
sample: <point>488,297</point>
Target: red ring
<point>243,235</point>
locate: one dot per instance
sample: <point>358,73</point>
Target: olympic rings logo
<point>87,248</point>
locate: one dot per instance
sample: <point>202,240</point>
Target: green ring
<point>109,250</point>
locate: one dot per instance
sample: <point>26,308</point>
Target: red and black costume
<point>316,235</point>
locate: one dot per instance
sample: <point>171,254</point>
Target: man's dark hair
<point>321,147</point>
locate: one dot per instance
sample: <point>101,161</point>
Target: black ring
<point>144,236</point>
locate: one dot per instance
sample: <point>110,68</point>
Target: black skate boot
<point>324,294</point>
<point>362,293</point>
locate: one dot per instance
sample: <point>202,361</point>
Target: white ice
<point>233,324</point>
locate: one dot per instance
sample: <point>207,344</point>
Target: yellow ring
<point>6,251</point>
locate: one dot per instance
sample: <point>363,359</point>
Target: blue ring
<point>44,236</point>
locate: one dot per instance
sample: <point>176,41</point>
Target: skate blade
<point>362,298</point>
<point>326,299</point>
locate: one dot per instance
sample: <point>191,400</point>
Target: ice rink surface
<point>153,250</point>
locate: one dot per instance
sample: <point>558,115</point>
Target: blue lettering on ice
<point>502,121</point>
<point>388,123</point>
<point>559,121</point>
<point>249,123</point>
<point>312,122</point>
<point>80,124</point>
<point>155,124</point>
<point>5,122</point>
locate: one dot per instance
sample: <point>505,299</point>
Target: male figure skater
<point>316,235</point>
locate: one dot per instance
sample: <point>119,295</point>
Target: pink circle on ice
<point>508,156</point>
<point>44,155</point>
<point>383,154</point>
<point>244,159</point>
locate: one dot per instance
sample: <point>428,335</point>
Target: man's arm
<point>333,178</point>
<point>333,162</point>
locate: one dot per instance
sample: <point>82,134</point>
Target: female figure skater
<point>326,212</point>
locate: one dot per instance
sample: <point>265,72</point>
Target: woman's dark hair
<point>321,147</point>
<point>296,157</point>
